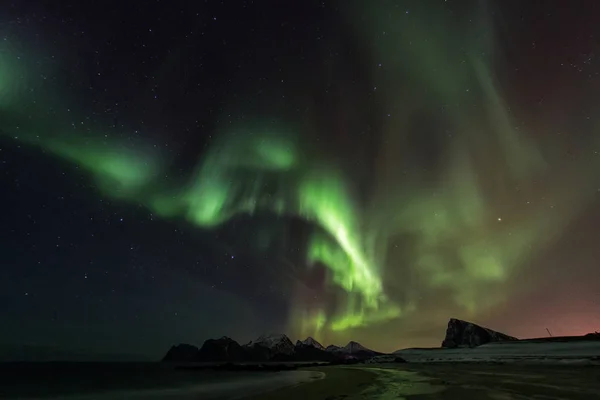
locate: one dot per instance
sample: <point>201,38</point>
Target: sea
<point>124,380</point>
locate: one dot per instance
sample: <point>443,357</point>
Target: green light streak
<point>459,246</point>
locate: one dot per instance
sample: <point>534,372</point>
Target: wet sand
<point>464,381</point>
<point>338,383</point>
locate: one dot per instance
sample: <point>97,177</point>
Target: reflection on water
<point>78,381</point>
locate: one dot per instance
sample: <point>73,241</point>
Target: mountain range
<point>278,347</point>
<point>273,347</point>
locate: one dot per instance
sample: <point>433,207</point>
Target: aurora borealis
<point>394,165</point>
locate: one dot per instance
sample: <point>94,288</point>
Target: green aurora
<point>466,238</point>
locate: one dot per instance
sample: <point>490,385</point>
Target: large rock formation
<point>467,334</point>
<point>181,353</point>
<point>352,350</point>
<point>309,341</point>
<point>333,348</point>
<point>277,344</point>
<point>354,347</point>
<point>223,349</point>
<point>359,351</point>
<point>274,347</point>
<point>311,350</point>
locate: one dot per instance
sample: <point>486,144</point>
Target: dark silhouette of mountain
<point>257,352</point>
<point>223,349</point>
<point>309,341</point>
<point>311,350</point>
<point>352,350</point>
<point>274,347</point>
<point>467,334</point>
<point>333,348</point>
<point>359,351</point>
<point>181,352</point>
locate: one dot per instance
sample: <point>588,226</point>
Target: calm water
<point>133,380</point>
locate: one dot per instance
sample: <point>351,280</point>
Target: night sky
<point>173,171</point>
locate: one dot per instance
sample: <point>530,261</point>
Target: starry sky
<point>175,171</point>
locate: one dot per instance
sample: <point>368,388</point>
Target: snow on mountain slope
<point>354,347</point>
<point>562,352</point>
<point>333,348</point>
<point>349,349</point>
<point>277,343</point>
<point>309,341</point>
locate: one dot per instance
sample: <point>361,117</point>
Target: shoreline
<point>338,381</point>
<point>253,384</point>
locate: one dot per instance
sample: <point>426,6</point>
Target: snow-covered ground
<point>584,352</point>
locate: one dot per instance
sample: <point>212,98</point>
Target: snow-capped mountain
<point>271,347</point>
<point>333,348</point>
<point>309,341</point>
<point>354,347</point>
<point>276,343</point>
<point>310,350</point>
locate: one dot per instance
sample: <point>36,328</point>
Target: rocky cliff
<point>273,347</point>
<point>223,349</point>
<point>467,334</point>
<point>181,353</point>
